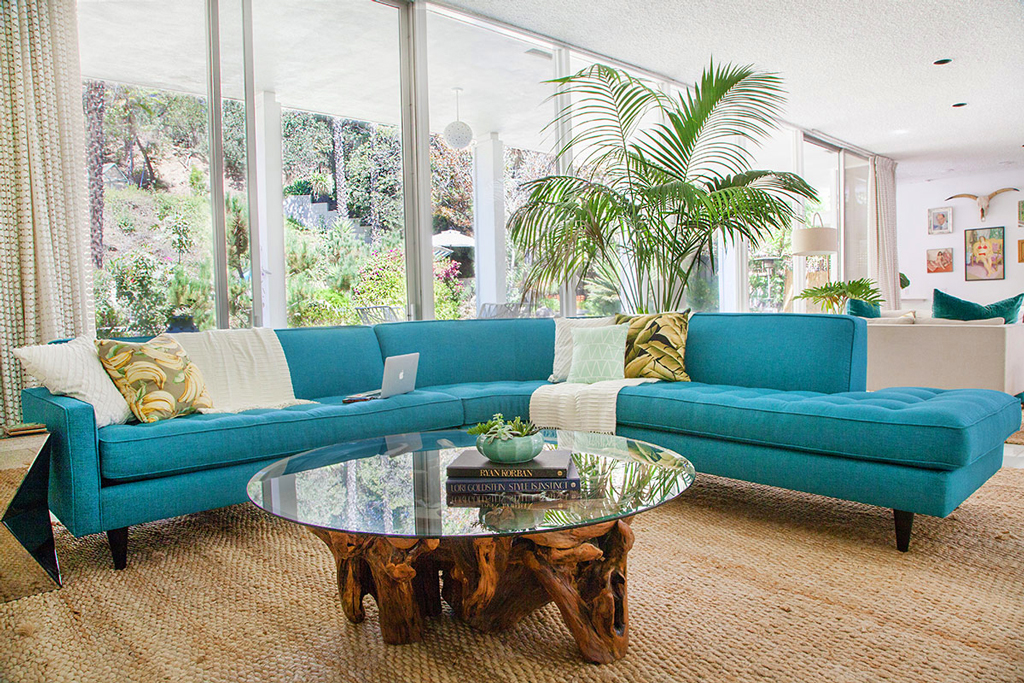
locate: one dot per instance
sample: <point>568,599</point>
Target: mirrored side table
<point>28,558</point>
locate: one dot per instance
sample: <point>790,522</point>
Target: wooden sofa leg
<point>118,540</point>
<point>904,524</point>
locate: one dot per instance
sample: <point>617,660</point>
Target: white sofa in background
<point>922,351</point>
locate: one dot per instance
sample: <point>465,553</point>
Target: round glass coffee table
<point>380,506</point>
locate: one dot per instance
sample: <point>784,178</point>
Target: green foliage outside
<point>157,229</point>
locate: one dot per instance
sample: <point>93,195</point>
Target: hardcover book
<point>552,464</point>
<point>551,500</point>
<point>464,485</point>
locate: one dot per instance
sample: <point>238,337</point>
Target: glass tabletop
<point>395,486</point>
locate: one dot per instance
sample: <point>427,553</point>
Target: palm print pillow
<point>656,344</point>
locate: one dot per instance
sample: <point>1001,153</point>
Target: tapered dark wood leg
<point>118,540</point>
<point>904,524</point>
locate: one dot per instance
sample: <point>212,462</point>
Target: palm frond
<point>700,137</point>
<point>832,296</point>
<point>648,204</point>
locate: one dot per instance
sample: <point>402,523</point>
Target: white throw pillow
<point>563,342</point>
<point>897,314</point>
<point>73,369</point>
<point>902,320</point>
<point>948,321</point>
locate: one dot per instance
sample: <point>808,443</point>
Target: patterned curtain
<point>882,220</point>
<point>45,274</point>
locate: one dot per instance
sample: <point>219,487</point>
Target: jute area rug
<point>1017,437</point>
<point>732,582</point>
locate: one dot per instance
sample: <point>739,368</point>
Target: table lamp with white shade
<point>815,240</point>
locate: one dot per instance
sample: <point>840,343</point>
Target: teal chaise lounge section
<point>776,399</point>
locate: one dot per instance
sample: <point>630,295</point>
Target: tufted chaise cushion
<point>930,428</point>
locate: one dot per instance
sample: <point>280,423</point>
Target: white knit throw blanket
<point>579,407</point>
<point>243,369</point>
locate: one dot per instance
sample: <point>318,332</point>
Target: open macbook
<point>399,378</point>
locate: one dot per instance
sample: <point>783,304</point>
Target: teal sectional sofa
<point>776,399</point>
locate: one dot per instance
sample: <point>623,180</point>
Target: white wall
<point>913,199</point>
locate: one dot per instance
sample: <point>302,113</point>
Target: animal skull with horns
<point>983,200</point>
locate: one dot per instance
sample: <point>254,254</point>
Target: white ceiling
<point>858,70</point>
<point>338,57</point>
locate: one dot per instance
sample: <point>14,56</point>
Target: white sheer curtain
<point>882,223</point>
<point>45,276</point>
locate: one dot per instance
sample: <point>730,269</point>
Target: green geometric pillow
<point>598,354</point>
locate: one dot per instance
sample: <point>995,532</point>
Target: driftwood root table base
<point>492,582</point>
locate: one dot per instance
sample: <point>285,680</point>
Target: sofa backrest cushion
<point>332,361</point>
<point>785,351</point>
<point>456,351</point>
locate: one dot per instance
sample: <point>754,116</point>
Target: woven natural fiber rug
<point>732,582</point>
<point>1017,437</point>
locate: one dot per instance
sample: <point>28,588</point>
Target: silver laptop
<point>399,378</point>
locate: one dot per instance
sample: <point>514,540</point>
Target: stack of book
<point>472,475</point>
<point>24,429</point>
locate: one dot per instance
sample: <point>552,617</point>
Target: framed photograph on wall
<point>983,252</point>
<point>1020,214</point>
<point>940,260</point>
<point>1020,251</point>
<point>940,221</point>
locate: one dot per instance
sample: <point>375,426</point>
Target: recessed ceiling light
<point>942,62</point>
<point>960,104</point>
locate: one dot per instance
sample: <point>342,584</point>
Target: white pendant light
<point>458,134</point>
<point>815,241</point>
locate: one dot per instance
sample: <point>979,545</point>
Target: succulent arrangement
<point>500,429</point>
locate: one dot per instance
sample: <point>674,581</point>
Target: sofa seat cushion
<point>197,442</point>
<point>481,400</point>
<point>930,428</point>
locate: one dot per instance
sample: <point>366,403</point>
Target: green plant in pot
<point>508,441</point>
<point>655,180</point>
<point>832,296</point>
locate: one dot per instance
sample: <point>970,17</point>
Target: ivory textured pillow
<point>597,354</point>
<point>73,369</point>
<point>656,345</point>
<point>563,342</point>
<point>156,378</point>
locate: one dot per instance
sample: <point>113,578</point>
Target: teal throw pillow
<point>951,308</point>
<point>598,354</point>
<point>863,309</point>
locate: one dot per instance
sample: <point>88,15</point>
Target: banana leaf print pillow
<point>656,344</point>
<point>156,378</point>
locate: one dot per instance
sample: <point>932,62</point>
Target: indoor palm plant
<point>657,179</point>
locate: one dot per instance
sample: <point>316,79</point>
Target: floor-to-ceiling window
<point>856,236</point>
<point>821,170</point>
<point>305,168</point>
<point>489,104</point>
<point>146,112</point>
<point>327,82</point>
<point>770,262</point>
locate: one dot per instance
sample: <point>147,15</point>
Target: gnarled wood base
<point>492,582</point>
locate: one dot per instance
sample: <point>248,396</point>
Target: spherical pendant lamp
<point>457,133</point>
